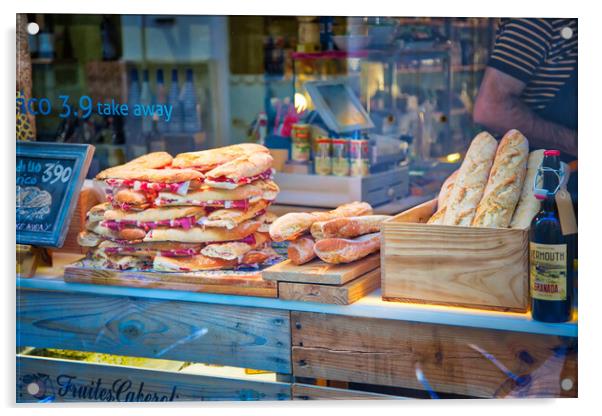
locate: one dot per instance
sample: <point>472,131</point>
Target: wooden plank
<point>459,266</point>
<point>460,360</point>
<point>155,328</point>
<point>52,380</point>
<point>309,392</point>
<point>317,271</point>
<point>339,295</point>
<point>245,283</point>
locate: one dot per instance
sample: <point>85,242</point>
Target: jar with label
<point>340,157</point>
<point>301,144</point>
<point>359,156</point>
<point>323,156</point>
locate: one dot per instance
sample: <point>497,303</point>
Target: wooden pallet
<point>244,283</point>
<point>317,281</point>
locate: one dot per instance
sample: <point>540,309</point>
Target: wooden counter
<point>434,349</point>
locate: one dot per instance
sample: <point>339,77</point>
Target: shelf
<point>372,53</point>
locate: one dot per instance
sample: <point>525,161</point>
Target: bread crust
<point>292,225</point>
<point>166,175</point>
<point>259,256</point>
<point>505,182</point>
<point>198,262</point>
<point>154,214</point>
<point>130,197</point>
<point>233,250</point>
<point>343,250</point>
<point>206,160</point>
<point>230,217</point>
<point>446,187</point>
<point>97,212</point>
<point>528,206</point>
<point>348,227</point>
<point>88,238</point>
<point>301,250</point>
<point>242,167</point>
<point>202,234</point>
<point>257,190</point>
<point>471,181</point>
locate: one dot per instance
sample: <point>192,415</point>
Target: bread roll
<point>295,224</point>
<point>471,181</point>
<point>342,250</point>
<point>505,182</point>
<point>301,250</point>
<point>203,235</point>
<point>348,227</point>
<point>528,205</point>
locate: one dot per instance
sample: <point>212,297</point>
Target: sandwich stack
<point>198,211</point>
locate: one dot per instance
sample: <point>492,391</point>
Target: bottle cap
<point>551,153</point>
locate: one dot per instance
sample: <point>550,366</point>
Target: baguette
<point>348,227</point>
<point>505,182</point>
<point>206,160</point>
<point>446,187</point>
<point>243,167</point>
<point>301,250</point>
<point>203,235</point>
<point>290,226</point>
<point>528,205</point>
<point>198,262</point>
<point>342,250</point>
<point>471,181</point>
<point>234,249</point>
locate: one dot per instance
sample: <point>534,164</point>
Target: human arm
<point>499,108</point>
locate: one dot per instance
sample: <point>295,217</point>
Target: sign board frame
<point>82,156</point>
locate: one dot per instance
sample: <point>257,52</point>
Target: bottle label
<point>548,271</point>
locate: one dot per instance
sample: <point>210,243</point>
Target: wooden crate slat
<point>458,360</point>
<point>185,331</point>
<point>310,392</point>
<point>344,294</point>
<point>53,380</point>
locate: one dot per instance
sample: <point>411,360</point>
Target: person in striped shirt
<point>530,83</point>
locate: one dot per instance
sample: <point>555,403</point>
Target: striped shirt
<point>540,52</point>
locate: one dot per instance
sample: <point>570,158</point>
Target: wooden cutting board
<point>317,271</point>
<point>245,283</point>
<point>345,294</point>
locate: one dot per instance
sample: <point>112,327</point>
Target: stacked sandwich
<point>198,211</point>
<point>343,235</point>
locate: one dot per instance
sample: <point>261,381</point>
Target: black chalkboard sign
<point>49,177</point>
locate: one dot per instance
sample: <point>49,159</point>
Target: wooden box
<point>484,268</point>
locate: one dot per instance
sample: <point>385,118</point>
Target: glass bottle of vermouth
<point>551,264</point>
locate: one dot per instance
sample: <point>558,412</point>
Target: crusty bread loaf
<point>242,167</point>
<point>471,181</point>
<point>231,217</point>
<point>348,227</point>
<point>233,249</point>
<point>198,262</point>
<point>202,234</point>
<point>528,206</point>
<point>206,160</point>
<point>446,187</point>
<point>505,182</point>
<point>294,224</point>
<point>301,250</point>
<point>343,250</point>
<point>154,214</point>
<point>438,217</point>
<point>131,197</point>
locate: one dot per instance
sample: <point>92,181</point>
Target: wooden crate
<point>460,360</point>
<point>48,380</point>
<point>317,281</point>
<point>484,268</point>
